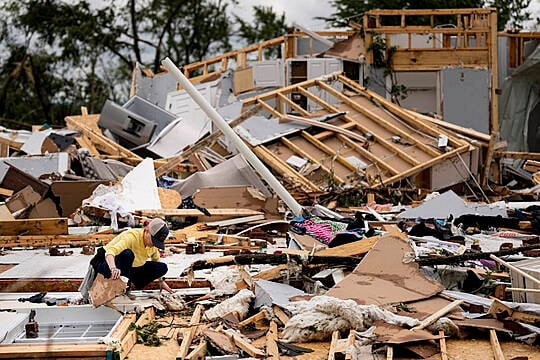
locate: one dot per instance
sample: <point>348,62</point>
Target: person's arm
<point>115,272</point>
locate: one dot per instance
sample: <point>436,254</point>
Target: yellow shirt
<point>133,240</point>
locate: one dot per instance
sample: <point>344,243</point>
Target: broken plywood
<point>104,290</point>
<point>245,197</point>
<point>384,277</point>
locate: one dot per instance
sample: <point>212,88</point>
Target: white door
<point>315,68</point>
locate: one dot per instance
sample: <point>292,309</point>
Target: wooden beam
<point>355,248</point>
<point>282,167</point>
<point>438,314</point>
<point>379,120</point>
<point>496,346</point>
<point>517,155</point>
<point>408,117</point>
<point>515,269</point>
<point>536,291</point>
<point>389,352</point>
<point>123,326</point>
<point>283,90</point>
<point>409,12</point>
<point>272,350</point>
<point>280,314</point>
<point>327,126</point>
<point>244,344</point>
<point>374,159</point>
<point>333,345</point>
<point>53,350</point>
<point>195,212</point>
<point>424,165</point>
<point>131,337</point>
<point>293,105</point>
<point>331,152</point>
<point>350,345</point>
<point>252,319</point>
<point>199,353</point>
<point>299,151</point>
<point>442,344</point>
<point>47,226</point>
<point>364,129</point>
<point>99,140</point>
<point>85,142</point>
<point>72,285</point>
<point>206,141</point>
<point>189,334</point>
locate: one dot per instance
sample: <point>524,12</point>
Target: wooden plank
<point>99,140</point>
<point>517,270</point>
<point>252,319</point>
<point>129,341</point>
<point>328,150</point>
<point>272,350</point>
<point>517,155</point>
<point>333,345</point>
<point>6,192</point>
<point>509,289</point>
<point>235,221</point>
<point>350,345</point>
<point>495,345</point>
<point>244,344</point>
<point>389,352</point>
<point>48,226</point>
<point>280,314</point>
<point>302,153</point>
<point>438,314</point>
<point>406,116</point>
<point>367,154</point>
<point>190,332</point>
<point>199,353</point>
<point>351,249</point>
<point>33,285</point>
<point>442,344</point>
<point>204,142</point>
<point>270,274</point>
<point>122,328</point>
<point>195,212</point>
<point>379,120</point>
<point>53,350</point>
<point>364,129</point>
<point>282,167</point>
<point>424,166</point>
<point>429,11</point>
<point>85,142</point>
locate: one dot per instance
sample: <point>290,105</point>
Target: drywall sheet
<point>154,88</point>
<point>421,90</point>
<point>272,293</point>
<point>448,203</point>
<point>385,276</point>
<point>465,97</point>
<point>57,163</point>
<point>233,172</point>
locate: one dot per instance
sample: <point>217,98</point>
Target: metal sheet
<point>466,97</point>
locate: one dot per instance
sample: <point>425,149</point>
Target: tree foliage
<point>265,25</point>
<point>61,54</point>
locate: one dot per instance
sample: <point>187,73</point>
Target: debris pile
<point>309,218</point>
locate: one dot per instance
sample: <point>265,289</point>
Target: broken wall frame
<point>479,25</point>
<point>367,112</point>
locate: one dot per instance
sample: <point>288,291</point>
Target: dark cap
<point>159,232</point>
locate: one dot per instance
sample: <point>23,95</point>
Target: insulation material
<point>223,280</point>
<point>233,172</point>
<point>317,318</point>
<point>448,203</point>
<point>138,190</point>
<point>239,302</point>
<point>383,278</point>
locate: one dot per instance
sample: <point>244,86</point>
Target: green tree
<point>510,12</point>
<point>266,25</point>
<point>81,54</point>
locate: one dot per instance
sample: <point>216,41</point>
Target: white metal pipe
<point>222,125</point>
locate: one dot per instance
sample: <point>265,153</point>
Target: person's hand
<point>163,286</point>
<point>115,273</point>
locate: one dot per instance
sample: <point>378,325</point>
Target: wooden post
<point>435,316</point>
<point>442,344</point>
<point>189,334</point>
<point>496,346</point>
<point>272,350</point>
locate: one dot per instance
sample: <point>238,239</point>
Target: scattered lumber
<point>46,226</point>
<point>189,334</point>
<point>435,316</point>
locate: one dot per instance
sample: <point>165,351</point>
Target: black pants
<point>139,276</point>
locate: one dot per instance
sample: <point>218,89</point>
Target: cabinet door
<point>332,66</point>
<point>315,68</point>
<point>267,73</point>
